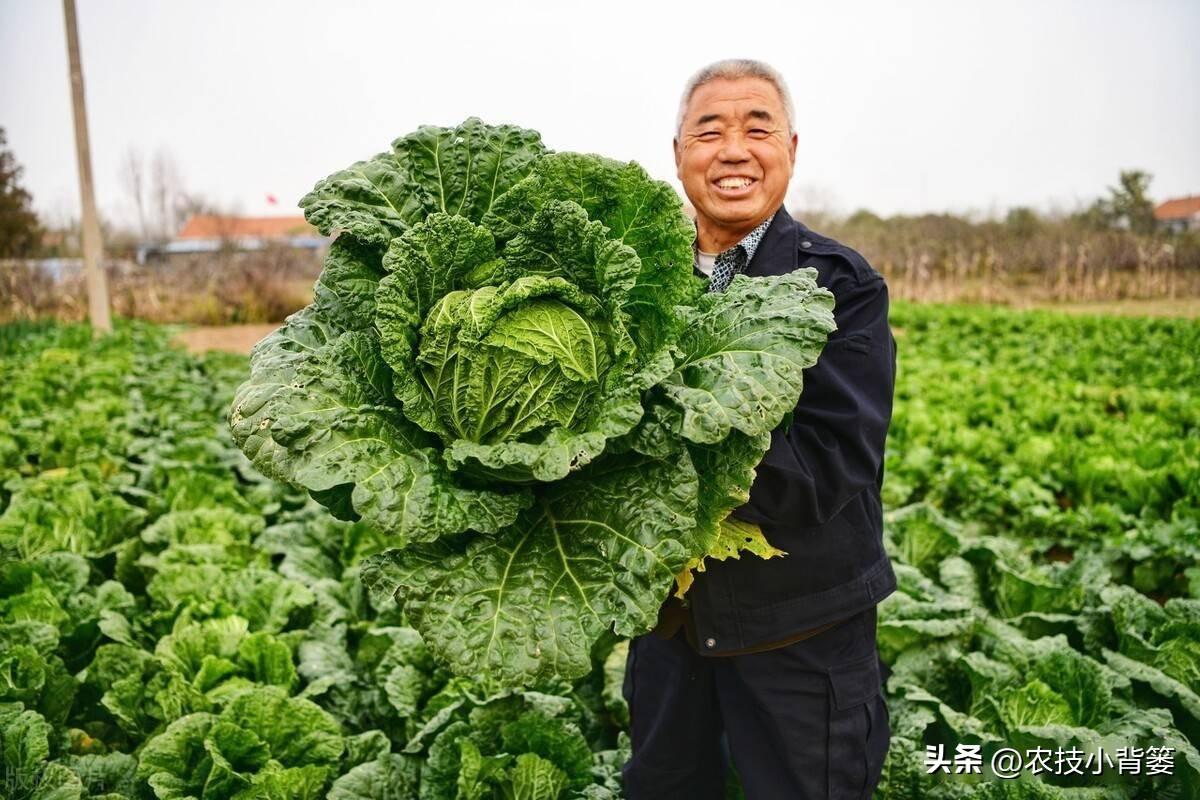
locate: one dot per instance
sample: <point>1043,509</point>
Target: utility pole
<point>93,248</point>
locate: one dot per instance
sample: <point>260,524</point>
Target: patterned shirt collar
<point>732,262</point>
<point>749,243</point>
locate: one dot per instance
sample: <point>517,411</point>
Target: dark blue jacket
<point>817,490</point>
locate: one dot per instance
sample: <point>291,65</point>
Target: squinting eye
<point>708,135</point>
<point>759,132</point>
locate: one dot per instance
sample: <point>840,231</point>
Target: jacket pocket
<point>858,341</point>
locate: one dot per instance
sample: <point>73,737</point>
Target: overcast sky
<point>902,107</point>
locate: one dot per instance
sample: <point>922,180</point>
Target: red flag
<point>272,199</point>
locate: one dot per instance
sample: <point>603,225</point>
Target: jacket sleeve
<point>834,446</point>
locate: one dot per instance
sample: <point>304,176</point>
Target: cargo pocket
<point>879,739</point>
<point>852,763</point>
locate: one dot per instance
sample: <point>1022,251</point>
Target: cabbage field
<point>175,625</point>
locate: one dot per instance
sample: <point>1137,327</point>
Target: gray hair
<point>733,69</point>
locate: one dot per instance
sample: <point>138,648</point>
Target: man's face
<point>735,153</point>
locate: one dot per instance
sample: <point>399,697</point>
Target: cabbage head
<point>509,367</point>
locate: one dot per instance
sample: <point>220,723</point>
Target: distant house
<point>209,233</point>
<point>1180,214</point>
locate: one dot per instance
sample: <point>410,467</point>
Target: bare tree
<point>133,180</point>
<point>166,188</point>
<point>227,227</point>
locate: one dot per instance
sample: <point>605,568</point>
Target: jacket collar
<point>778,253</point>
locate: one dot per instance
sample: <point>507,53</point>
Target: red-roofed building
<point>210,233</point>
<point>1179,214</point>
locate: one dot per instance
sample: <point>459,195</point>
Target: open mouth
<point>734,185</point>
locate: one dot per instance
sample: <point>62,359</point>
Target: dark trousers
<point>802,722</point>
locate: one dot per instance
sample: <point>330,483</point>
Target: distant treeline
<point>1026,257</point>
<point>205,289</point>
<point>1112,250</point>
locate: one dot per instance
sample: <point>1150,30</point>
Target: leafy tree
<point>1127,205</point>
<point>20,232</point>
<point>864,217</point>
<point>1129,202</point>
<point>1022,221</point>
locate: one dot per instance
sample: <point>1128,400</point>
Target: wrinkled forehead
<point>737,100</point>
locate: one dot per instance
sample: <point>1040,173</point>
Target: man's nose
<point>734,149</point>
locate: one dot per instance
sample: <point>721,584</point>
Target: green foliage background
<point>172,624</point>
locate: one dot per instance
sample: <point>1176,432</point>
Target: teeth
<point>733,183</point>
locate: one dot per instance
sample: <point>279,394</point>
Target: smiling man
<point>779,655</point>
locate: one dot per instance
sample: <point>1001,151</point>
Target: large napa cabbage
<point>510,367</point>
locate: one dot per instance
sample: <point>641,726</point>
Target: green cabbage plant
<point>509,367</point>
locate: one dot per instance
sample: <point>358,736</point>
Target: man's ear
<point>679,157</point>
<point>792,152</point>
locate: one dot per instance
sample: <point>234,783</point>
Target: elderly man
<point>778,655</point>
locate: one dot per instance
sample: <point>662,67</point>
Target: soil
<point>227,338</point>
<point>240,338</point>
